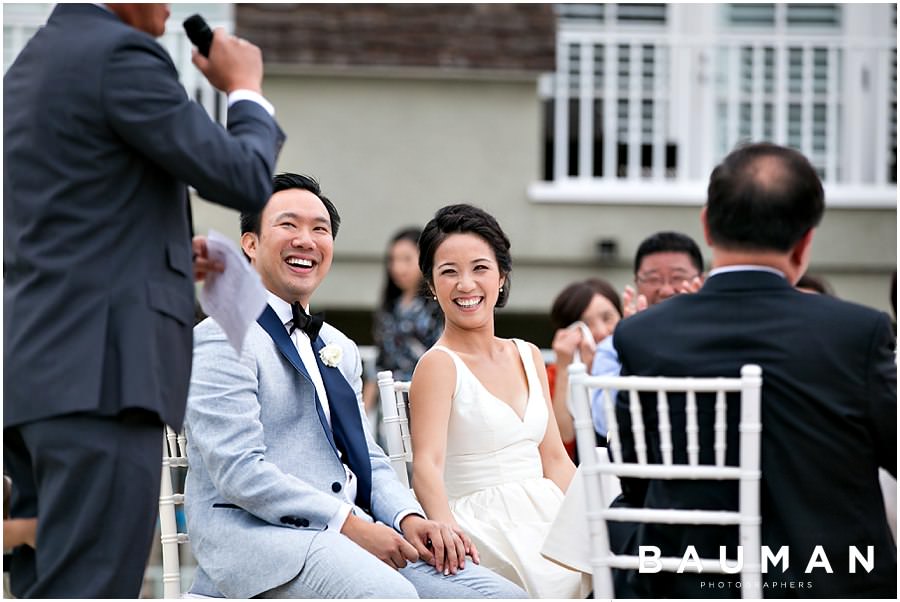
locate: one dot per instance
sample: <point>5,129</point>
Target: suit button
<point>287,520</point>
<point>303,522</point>
<point>335,487</point>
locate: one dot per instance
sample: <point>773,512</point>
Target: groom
<point>286,483</point>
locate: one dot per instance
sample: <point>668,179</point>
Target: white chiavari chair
<point>174,458</point>
<point>747,473</point>
<point>394,396</point>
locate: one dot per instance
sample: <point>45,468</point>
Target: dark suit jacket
<point>99,142</point>
<point>829,415</point>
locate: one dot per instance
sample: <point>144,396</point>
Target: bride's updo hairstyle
<point>465,219</point>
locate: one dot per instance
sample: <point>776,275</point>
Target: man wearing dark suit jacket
<point>99,142</point>
<point>829,397</point>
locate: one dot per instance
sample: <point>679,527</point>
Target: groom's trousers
<point>338,568</point>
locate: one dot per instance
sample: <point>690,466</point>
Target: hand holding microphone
<point>228,62</point>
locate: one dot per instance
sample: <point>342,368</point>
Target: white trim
<point>724,37</point>
<point>689,193</point>
<point>410,73</point>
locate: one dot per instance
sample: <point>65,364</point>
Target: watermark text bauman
<point>649,560</point>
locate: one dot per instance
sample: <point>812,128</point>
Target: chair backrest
<point>174,457</point>
<point>394,395</point>
<point>746,473</point>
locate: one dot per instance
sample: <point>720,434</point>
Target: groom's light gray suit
<point>264,479</point>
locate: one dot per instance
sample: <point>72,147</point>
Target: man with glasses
<point>666,264</point>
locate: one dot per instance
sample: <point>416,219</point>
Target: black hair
<point>571,302</point>
<point>763,197</point>
<point>669,242</point>
<point>465,219</point>
<point>250,221</point>
<point>392,292</point>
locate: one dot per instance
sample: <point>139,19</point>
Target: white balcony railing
<point>644,117</point>
<point>21,22</point>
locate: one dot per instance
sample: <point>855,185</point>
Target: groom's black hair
<point>285,181</point>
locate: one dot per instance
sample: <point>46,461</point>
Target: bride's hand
<point>468,546</point>
<point>436,542</point>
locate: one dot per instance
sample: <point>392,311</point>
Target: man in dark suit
<point>99,142</point>
<point>829,397</point>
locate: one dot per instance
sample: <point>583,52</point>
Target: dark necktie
<point>310,324</point>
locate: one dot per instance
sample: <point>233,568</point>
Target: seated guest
<point>488,457</point>
<point>584,314</point>
<point>665,264</point>
<point>407,323</point>
<point>288,496</point>
<point>829,394</point>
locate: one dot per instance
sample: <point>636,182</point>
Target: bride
<point>488,458</point>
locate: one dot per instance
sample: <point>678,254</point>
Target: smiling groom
<point>288,496</point>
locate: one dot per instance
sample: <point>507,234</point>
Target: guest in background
<point>665,264</point>
<point>488,457</point>
<point>810,283</point>
<point>584,314</point>
<point>407,323</point>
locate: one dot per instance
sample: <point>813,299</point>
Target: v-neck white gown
<point>495,484</point>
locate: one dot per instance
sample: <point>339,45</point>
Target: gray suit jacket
<point>99,140</point>
<point>262,471</point>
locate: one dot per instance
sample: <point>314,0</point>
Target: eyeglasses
<point>655,281</point>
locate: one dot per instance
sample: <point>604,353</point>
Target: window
<point>791,16</point>
<point>616,85</point>
<point>658,97</point>
<point>622,14</point>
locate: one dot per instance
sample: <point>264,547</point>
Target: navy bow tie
<point>310,324</point>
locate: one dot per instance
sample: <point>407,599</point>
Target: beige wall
<point>390,149</point>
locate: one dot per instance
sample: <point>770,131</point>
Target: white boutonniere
<point>331,355</point>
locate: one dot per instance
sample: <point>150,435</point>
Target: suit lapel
<point>271,323</point>
<point>347,426</point>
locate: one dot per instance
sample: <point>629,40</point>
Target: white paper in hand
<point>236,297</point>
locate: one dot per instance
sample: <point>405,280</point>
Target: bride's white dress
<point>495,482</point>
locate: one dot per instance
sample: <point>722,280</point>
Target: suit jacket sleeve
<point>223,417</point>
<point>390,498</point>
<point>149,109</point>
<point>882,393</point>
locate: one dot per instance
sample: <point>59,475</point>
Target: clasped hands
<point>441,545</point>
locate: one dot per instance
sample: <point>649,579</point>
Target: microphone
<point>199,33</point>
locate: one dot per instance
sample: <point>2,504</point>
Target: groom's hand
<point>383,542</point>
